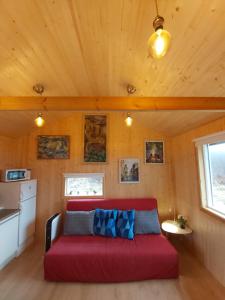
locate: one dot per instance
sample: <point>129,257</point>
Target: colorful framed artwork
<point>53,147</point>
<point>154,152</point>
<point>129,170</point>
<point>95,138</point>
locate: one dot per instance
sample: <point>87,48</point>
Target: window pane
<point>217,172</point>
<point>84,186</point>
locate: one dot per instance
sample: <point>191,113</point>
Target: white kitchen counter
<point>7,213</point>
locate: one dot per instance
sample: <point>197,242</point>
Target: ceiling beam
<point>110,103</point>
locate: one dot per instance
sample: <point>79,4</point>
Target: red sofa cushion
<point>90,204</point>
<point>101,259</point>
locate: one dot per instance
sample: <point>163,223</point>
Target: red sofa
<point>103,259</point>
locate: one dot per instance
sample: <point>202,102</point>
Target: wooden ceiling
<point>15,124</point>
<point>96,47</point>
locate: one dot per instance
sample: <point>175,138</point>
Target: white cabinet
<point>8,239</point>
<point>21,195</point>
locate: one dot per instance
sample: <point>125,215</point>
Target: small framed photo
<point>154,152</point>
<point>129,170</point>
<point>53,147</point>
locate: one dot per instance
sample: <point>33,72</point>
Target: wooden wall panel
<point>124,142</point>
<point>208,239</point>
<point>177,178</point>
<point>7,153</point>
<point>19,123</point>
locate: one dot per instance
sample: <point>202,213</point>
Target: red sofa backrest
<point>90,204</point>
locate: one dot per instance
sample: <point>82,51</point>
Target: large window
<point>84,185</point>
<point>211,158</point>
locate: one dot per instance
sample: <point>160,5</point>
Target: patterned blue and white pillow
<point>105,222</point>
<point>125,224</point>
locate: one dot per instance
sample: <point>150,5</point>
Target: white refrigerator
<point>22,195</point>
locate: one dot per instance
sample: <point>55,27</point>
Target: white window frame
<point>204,170</point>
<point>84,175</point>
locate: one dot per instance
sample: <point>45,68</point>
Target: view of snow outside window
<point>84,186</point>
<point>217,172</point>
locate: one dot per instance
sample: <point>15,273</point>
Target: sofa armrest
<point>52,230</point>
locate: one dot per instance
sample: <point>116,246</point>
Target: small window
<point>84,185</point>
<point>211,158</point>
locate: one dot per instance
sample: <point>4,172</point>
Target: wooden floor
<point>22,279</point>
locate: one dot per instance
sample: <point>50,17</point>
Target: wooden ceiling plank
<point>110,103</point>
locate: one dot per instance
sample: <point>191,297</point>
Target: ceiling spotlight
<point>131,89</point>
<point>39,88</point>
<point>39,121</point>
<point>129,120</point>
<point>159,41</point>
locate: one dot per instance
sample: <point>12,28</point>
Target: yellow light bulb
<point>128,121</point>
<point>158,43</point>
<point>39,121</point>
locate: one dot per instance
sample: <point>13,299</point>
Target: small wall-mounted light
<point>39,121</point>
<point>129,120</point>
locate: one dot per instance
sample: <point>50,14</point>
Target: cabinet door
<point>8,240</point>
<point>28,189</point>
<point>27,219</point>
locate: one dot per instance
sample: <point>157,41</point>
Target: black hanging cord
<point>156,5</point>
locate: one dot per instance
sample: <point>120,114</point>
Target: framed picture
<point>95,138</point>
<point>154,152</point>
<point>129,170</point>
<point>53,146</point>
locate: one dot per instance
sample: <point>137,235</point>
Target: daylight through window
<point>211,157</point>
<point>84,185</point>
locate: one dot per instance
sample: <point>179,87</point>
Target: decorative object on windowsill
<point>39,89</point>
<point>159,41</point>
<point>182,221</point>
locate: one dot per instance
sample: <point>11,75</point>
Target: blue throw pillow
<point>105,222</point>
<point>146,221</point>
<point>125,224</point>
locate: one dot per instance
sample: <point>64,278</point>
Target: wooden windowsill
<point>213,213</point>
<point>82,197</point>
